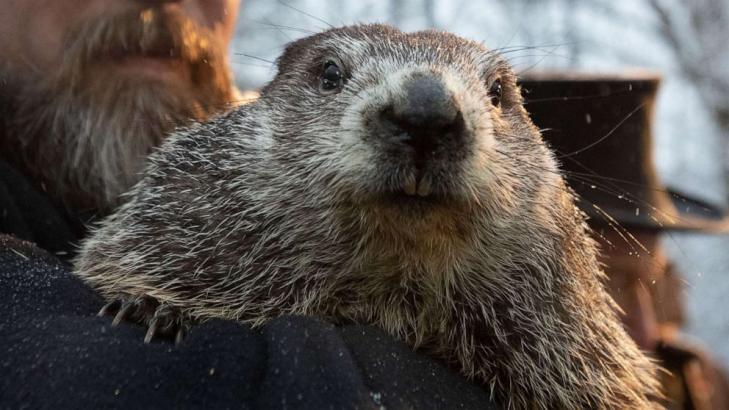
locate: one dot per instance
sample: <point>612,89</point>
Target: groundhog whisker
<point>513,60</point>
<point>281,27</point>
<point>287,5</point>
<point>234,62</point>
<point>515,49</point>
<point>618,193</point>
<point>620,230</point>
<point>606,94</point>
<point>538,62</point>
<point>606,136</point>
<point>622,194</point>
<point>256,58</point>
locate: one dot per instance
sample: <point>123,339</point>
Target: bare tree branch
<point>697,52</point>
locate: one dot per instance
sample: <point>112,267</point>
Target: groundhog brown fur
<point>383,178</point>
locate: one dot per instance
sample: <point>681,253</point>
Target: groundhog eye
<point>331,76</point>
<point>495,93</point>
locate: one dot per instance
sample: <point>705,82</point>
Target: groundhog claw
<point>108,308</point>
<point>179,335</point>
<point>151,330</point>
<point>161,319</point>
<point>166,322</point>
<point>127,308</point>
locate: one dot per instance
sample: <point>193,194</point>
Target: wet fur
<point>276,208</point>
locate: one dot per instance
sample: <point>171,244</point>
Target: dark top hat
<point>600,129</point>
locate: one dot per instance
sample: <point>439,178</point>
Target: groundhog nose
<point>426,103</point>
<point>426,115</point>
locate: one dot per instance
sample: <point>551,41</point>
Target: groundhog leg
<point>161,320</point>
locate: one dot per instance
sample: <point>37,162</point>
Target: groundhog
<point>384,178</point>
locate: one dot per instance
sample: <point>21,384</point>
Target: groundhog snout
<point>424,117</point>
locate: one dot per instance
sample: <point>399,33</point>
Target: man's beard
<point>84,133</point>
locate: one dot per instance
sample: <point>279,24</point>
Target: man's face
<point>96,84</point>
<point>634,263</point>
<point>33,32</point>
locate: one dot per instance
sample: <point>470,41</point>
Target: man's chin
<point>138,77</point>
<point>143,68</point>
<point>97,136</point>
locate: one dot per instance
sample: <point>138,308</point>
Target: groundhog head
<point>425,126</point>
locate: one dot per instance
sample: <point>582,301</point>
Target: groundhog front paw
<point>161,320</point>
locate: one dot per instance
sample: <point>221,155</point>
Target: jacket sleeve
<point>29,214</point>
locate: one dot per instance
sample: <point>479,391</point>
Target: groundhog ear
<point>296,53</point>
<point>282,61</point>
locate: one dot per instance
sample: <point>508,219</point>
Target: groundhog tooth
<point>424,187</point>
<point>409,185</point>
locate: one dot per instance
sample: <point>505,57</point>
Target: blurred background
<point>685,41</point>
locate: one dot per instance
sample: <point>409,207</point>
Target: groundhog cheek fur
<point>294,204</point>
